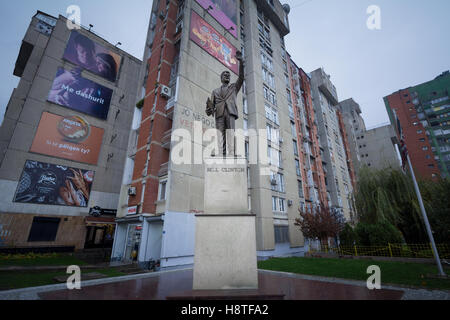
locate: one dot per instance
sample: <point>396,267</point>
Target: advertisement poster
<point>71,138</point>
<point>213,42</point>
<point>92,56</point>
<point>71,90</point>
<point>43,183</point>
<point>224,11</point>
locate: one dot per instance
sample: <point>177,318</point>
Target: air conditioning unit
<point>273,182</point>
<point>166,92</point>
<point>132,191</point>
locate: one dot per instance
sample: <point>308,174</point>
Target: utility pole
<point>425,219</point>
<point>405,158</point>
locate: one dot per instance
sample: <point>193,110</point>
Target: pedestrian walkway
<point>163,285</point>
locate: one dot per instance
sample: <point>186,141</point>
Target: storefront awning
<point>99,221</point>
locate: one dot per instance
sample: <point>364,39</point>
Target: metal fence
<point>390,250</point>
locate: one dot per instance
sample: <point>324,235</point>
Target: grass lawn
<point>408,274</point>
<point>30,260</point>
<point>17,280</point>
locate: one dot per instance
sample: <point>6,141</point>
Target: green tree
<point>348,236</point>
<point>388,196</point>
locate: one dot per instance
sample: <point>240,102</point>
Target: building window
<point>278,179</point>
<point>295,148</point>
<point>282,203</point>
<point>274,204</point>
<point>293,130</point>
<point>297,167</point>
<point>247,150</point>
<point>44,229</point>
<point>300,189</point>
<point>288,96</point>
<point>162,190</point>
<point>272,134</point>
<point>281,234</point>
<point>272,114</point>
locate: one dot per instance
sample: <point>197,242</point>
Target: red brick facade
<point>155,118</point>
<point>299,78</point>
<point>420,153</point>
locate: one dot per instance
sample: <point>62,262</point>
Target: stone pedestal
<point>225,243</point>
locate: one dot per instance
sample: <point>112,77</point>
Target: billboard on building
<point>213,42</point>
<point>92,56</point>
<point>71,90</point>
<point>43,183</point>
<point>71,138</point>
<point>224,11</point>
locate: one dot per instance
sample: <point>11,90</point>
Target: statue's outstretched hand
<point>239,56</point>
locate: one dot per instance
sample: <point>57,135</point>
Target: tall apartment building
<point>424,115</point>
<point>64,137</point>
<point>190,43</point>
<point>377,148</point>
<point>309,163</point>
<point>354,125</point>
<point>340,176</point>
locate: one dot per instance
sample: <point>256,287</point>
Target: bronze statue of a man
<point>223,106</point>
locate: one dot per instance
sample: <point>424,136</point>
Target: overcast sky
<point>412,46</point>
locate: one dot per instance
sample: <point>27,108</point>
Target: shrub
<point>379,234</point>
<point>348,236</point>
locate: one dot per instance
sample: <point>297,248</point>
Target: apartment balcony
<point>274,10</point>
<point>167,139</point>
<point>163,170</point>
<point>327,88</point>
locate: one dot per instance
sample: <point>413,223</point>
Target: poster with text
<point>92,56</point>
<point>71,90</point>
<point>213,42</point>
<point>44,183</point>
<point>224,11</point>
<point>71,138</point>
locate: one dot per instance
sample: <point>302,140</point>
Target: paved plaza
<point>178,284</point>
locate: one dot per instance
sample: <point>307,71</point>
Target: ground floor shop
<point>47,233</point>
<point>169,241</point>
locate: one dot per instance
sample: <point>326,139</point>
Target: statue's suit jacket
<point>226,97</point>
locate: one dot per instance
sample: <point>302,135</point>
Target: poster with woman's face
<point>70,89</point>
<point>224,11</point>
<point>92,56</point>
<point>44,183</point>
